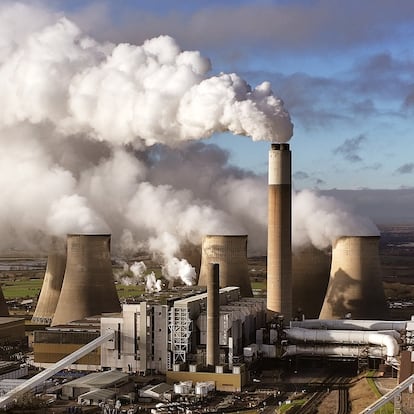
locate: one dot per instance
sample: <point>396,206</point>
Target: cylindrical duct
<point>88,285</point>
<point>279,243</point>
<point>51,287</point>
<point>213,313</point>
<point>310,277</point>
<point>230,252</point>
<point>355,286</point>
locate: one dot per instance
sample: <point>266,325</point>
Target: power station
<point>213,331</point>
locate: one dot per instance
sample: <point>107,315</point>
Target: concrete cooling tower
<point>88,285</point>
<point>4,310</point>
<point>52,284</point>
<point>279,240</point>
<point>355,286</point>
<point>310,277</point>
<point>230,252</point>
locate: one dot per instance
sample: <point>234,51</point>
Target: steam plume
<point>98,137</point>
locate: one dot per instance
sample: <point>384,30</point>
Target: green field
<point>27,288</point>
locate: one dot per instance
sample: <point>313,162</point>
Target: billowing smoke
<point>136,274</point>
<point>98,137</point>
<point>319,220</point>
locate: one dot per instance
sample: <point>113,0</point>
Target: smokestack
<point>52,284</point>
<point>88,285</point>
<point>213,314</point>
<point>355,285</point>
<point>279,242</point>
<point>230,252</point>
<point>310,277</point>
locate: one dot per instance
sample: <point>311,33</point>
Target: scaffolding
<point>179,334</point>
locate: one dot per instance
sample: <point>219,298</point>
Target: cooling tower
<point>213,315</point>
<point>230,252</point>
<point>355,285</point>
<point>279,241</point>
<point>310,277</point>
<point>88,285</point>
<point>52,284</point>
<point>4,310</point>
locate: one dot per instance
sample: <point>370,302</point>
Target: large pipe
<point>213,315</point>
<point>88,286</point>
<point>230,252</point>
<point>279,244</point>
<point>350,324</point>
<point>331,350</point>
<point>52,284</point>
<point>345,337</point>
<point>355,285</point>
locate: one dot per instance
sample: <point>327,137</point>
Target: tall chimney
<point>52,284</point>
<point>88,285</point>
<point>230,252</point>
<point>310,277</point>
<point>279,242</point>
<point>355,285</point>
<point>213,315</point>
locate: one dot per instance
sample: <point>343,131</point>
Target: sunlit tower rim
<point>279,247</point>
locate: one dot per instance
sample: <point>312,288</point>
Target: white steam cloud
<point>105,138</point>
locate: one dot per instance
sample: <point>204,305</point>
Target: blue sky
<point>345,70</point>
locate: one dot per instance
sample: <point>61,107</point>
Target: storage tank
<point>230,252</point>
<point>310,277</point>
<point>51,287</point>
<point>88,286</point>
<point>355,286</point>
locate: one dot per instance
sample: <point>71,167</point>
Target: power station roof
<point>103,379</point>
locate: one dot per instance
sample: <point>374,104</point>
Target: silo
<point>355,286</point>
<point>52,284</point>
<point>310,277</point>
<point>230,252</point>
<point>279,232</point>
<point>88,285</point>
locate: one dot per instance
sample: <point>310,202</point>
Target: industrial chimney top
<point>280,146</point>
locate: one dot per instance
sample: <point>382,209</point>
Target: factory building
<point>151,337</point>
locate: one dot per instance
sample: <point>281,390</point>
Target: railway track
<point>311,406</point>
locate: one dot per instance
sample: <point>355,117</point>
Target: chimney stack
<point>230,252</point>
<point>279,243</point>
<point>213,315</point>
<point>88,286</point>
<point>355,285</point>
